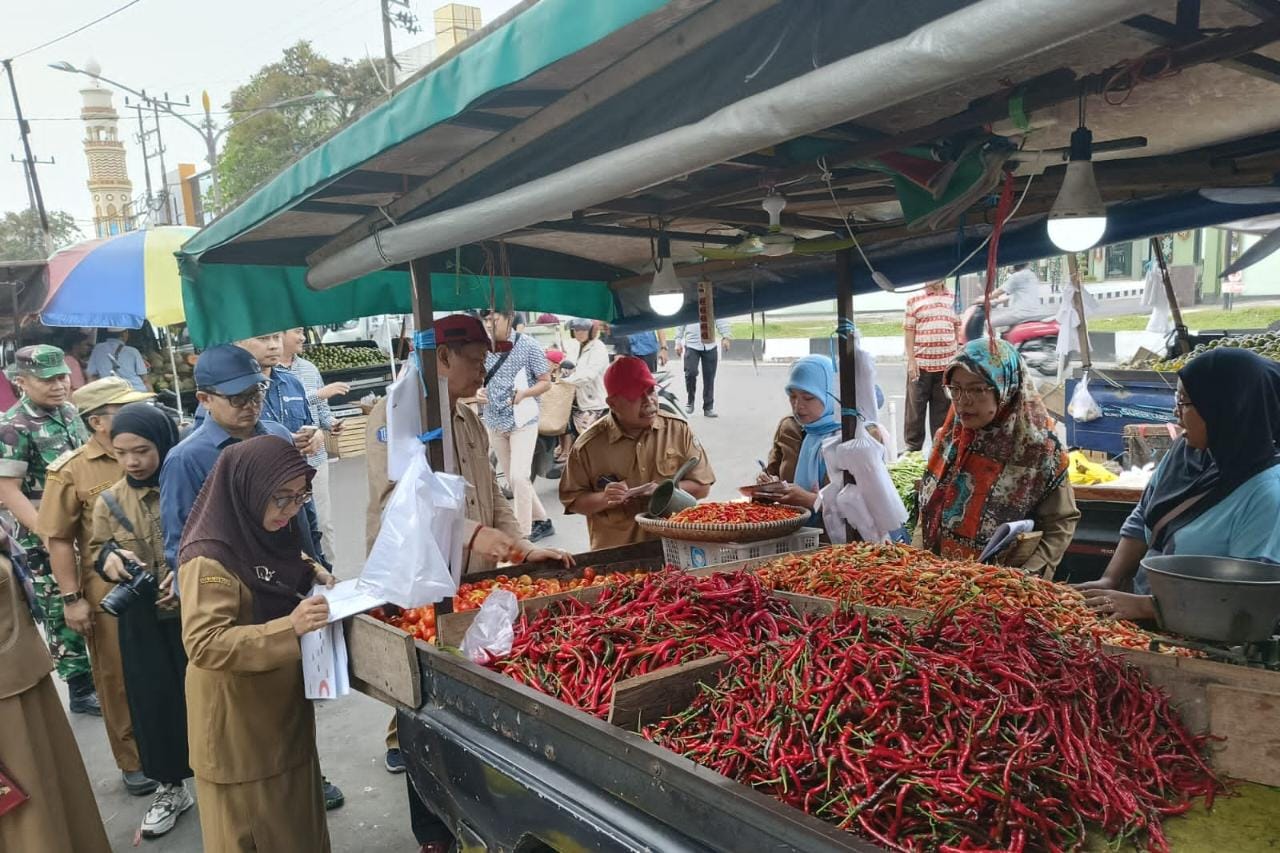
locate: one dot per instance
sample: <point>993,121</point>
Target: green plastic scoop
<point>669,498</point>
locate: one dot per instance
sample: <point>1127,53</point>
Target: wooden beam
<point>519,98</point>
<point>684,39</point>
<point>338,207</point>
<point>433,410</point>
<point>1261,9</point>
<point>1161,32</point>
<point>848,372</point>
<point>643,233</point>
<point>365,182</point>
<point>480,120</point>
<point>1187,18</point>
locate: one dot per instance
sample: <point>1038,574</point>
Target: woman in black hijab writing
<point>245,585</point>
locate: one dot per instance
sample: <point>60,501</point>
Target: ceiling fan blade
<point>1242,195</point>
<point>822,245</point>
<point>727,253</point>
<point>1264,248</point>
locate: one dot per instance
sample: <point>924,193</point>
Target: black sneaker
<point>541,530</point>
<point>84,699</point>
<point>709,413</point>
<point>394,762</point>
<point>137,783</point>
<point>333,797</point>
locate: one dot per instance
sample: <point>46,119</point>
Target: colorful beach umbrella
<point>118,282</point>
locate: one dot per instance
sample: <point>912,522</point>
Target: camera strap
<point>118,512</point>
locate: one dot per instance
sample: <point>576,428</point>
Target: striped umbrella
<point>118,282</point>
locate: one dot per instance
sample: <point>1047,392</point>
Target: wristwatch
<point>71,598</point>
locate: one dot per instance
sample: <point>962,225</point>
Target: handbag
<point>557,406</point>
<point>11,793</point>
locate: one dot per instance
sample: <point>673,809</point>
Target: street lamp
<point>207,129</point>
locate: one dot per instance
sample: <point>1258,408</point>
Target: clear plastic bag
<point>409,564</point>
<point>1083,408</point>
<point>492,632</point>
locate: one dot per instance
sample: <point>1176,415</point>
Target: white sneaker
<point>170,802</point>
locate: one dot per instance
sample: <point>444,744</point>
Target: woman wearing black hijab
<point>244,583</point>
<point>126,532</point>
<point>1217,492</point>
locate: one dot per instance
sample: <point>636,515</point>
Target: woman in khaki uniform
<point>243,581</point>
<point>38,752</point>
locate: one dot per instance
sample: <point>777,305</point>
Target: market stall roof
<point>564,139</point>
<point>23,286</point>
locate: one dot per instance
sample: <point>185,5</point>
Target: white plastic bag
<point>1083,408</point>
<point>411,558</point>
<point>493,630</point>
<point>404,422</point>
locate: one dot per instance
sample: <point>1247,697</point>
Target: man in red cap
<point>618,462</point>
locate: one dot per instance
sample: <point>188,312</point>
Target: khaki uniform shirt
<point>74,481</point>
<point>23,657</point>
<point>604,451</point>
<point>485,505</point>
<point>247,714</point>
<point>785,452</point>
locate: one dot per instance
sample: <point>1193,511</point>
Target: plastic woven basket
<point>723,532</point>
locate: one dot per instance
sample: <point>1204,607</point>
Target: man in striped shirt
<point>933,338</point>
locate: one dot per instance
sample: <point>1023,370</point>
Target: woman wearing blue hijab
<point>796,457</point>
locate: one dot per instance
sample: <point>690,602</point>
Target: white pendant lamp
<point>1078,218</point>
<point>666,294</point>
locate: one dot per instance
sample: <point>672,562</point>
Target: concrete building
<point>453,24</point>
<point>109,183</point>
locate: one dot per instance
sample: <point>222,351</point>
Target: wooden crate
<point>383,661</point>
<point>349,442</point>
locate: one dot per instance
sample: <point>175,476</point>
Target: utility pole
<point>211,152</point>
<point>167,219</point>
<point>146,158</point>
<point>30,160</point>
<point>388,54</point>
<point>26,175</point>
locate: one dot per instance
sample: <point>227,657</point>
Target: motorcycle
<point>1035,340</point>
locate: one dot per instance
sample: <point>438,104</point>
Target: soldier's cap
<point>459,329</point>
<point>41,361</point>
<point>228,370</point>
<point>111,391</point>
<point>629,378</point>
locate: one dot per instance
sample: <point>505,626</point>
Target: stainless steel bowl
<point>1215,598</point>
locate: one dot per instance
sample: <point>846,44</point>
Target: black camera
<point>126,593</point>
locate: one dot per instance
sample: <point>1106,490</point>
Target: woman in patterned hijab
<point>995,460</point>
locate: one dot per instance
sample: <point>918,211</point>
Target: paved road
<point>351,729</point>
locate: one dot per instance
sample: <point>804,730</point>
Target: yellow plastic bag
<point>1086,473</point>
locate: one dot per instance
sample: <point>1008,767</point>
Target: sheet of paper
<point>342,676</point>
<point>345,600</point>
<point>527,409</point>
<point>319,675</point>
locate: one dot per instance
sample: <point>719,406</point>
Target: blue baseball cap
<point>228,369</point>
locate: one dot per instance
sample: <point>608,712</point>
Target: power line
<point>79,29</point>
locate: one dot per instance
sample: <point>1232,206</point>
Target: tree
<point>259,146</point>
<point>22,240</point>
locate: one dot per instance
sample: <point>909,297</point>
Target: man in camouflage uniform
<point>65,523</point>
<point>39,428</point>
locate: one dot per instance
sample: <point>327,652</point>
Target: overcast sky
<point>178,46</point>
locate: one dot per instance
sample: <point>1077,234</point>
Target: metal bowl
<point>1215,598</point>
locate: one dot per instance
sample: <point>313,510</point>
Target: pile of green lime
<point>1266,344</point>
<point>329,357</point>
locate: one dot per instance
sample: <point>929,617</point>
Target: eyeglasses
<point>283,501</point>
<point>970,392</point>
<point>1180,403</point>
<point>252,397</point>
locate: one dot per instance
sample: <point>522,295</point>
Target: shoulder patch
<point>62,460</point>
<point>215,579</point>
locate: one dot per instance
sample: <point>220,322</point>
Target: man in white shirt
<point>1018,299</point>
<point>695,351</point>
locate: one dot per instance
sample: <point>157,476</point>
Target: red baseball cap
<point>459,329</point>
<point>628,377</point>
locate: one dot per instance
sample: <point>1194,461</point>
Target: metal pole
<point>24,131</point>
<point>173,366</point>
<point>848,360</point>
<point>164,173</point>
<point>146,160</point>
<point>211,153</point>
<point>388,54</point>
<point>1077,298</point>
<point>1179,327</point>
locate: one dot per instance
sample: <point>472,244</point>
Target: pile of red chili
<point>576,652</point>
<point>901,576</point>
<point>978,731</point>
<point>734,512</point>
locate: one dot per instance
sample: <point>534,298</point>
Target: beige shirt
<point>785,452</point>
<point>588,376</point>
<point>485,506</point>
<point>603,451</point>
<point>247,716</point>
<point>71,489</point>
<point>23,657</point>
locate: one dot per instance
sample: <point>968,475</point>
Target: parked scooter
<point>1035,340</point>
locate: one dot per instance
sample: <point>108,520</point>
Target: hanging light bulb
<point>666,294</point>
<point>1078,218</point>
